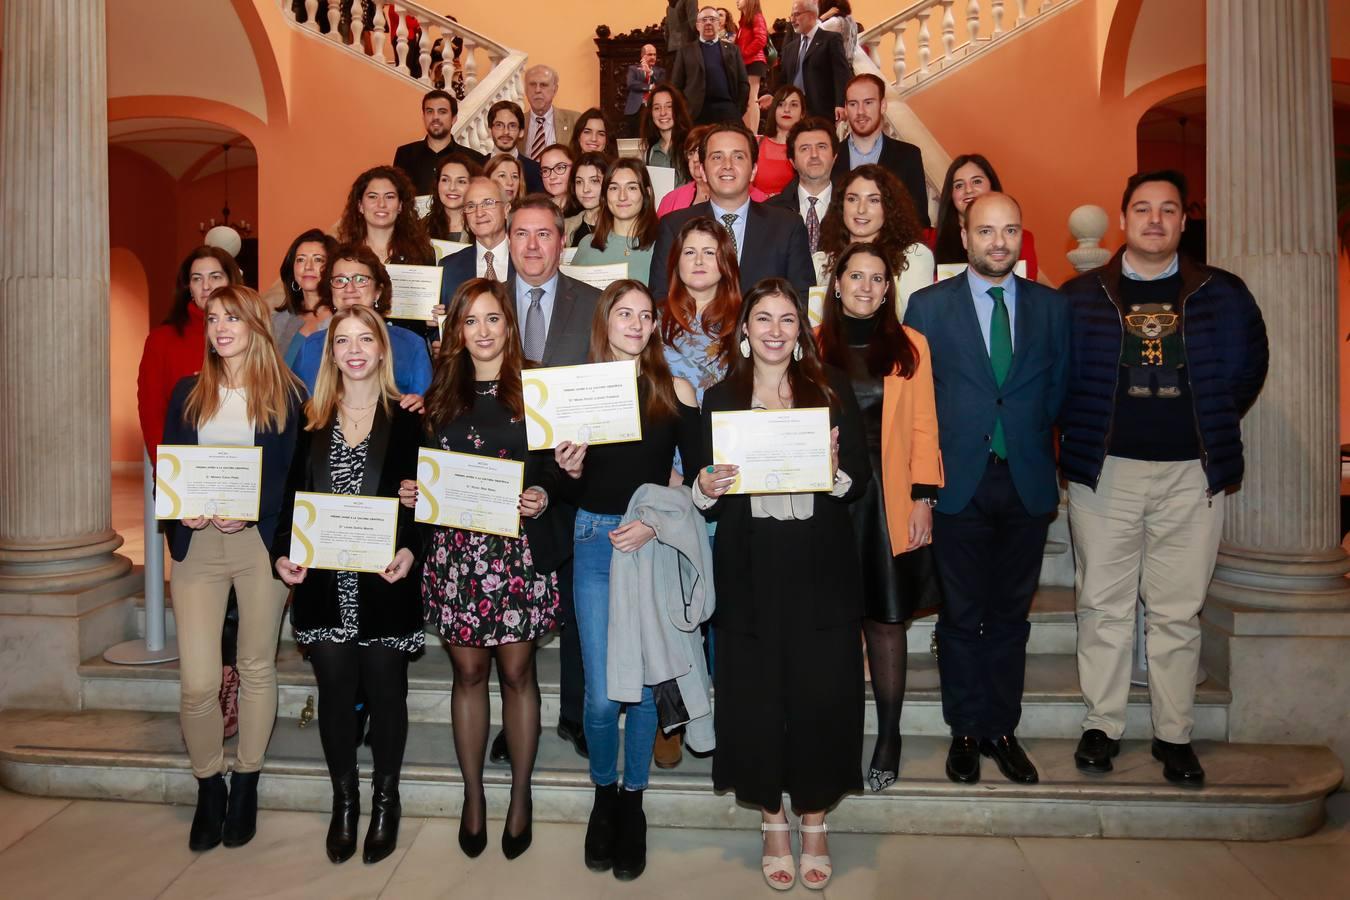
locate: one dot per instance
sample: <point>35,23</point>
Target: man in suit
<point>419,159</point>
<point>999,347</point>
<point>490,256</point>
<point>506,120</point>
<point>811,148</point>
<point>680,30</point>
<point>814,61</point>
<point>711,74</point>
<point>548,124</point>
<point>769,241</point>
<point>641,79</point>
<point>865,108</point>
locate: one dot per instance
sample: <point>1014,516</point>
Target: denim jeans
<point>600,715</point>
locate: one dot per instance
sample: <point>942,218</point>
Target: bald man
<point>999,349</point>
<point>545,124</point>
<point>641,79</point>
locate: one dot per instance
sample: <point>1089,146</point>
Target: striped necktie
<point>537,145</point>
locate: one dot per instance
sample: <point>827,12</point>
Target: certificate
<point>346,532</point>
<point>475,493</point>
<point>663,182</point>
<point>192,480</point>
<point>779,451</point>
<point>599,277</point>
<point>416,289</point>
<point>947,270</point>
<point>446,248</point>
<point>422,204</point>
<point>591,404</point>
<point>567,254</point>
<point>815,305</point>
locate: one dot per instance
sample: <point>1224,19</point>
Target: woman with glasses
<point>555,167</point>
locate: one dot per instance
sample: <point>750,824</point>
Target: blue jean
<point>600,715</point>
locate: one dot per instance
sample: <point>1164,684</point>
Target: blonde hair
<point>267,384</point>
<point>328,390</point>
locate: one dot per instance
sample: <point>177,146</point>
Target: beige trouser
<point>1149,531</point>
<point>200,587</point>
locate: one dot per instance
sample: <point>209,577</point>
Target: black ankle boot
<point>208,822</point>
<point>241,815</point>
<point>341,843</point>
<point>600,828</point>
<point>385,811</point>
<point>630,842</point>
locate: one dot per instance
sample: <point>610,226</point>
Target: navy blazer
<point>776,246</point>
<point>277,448</point>
<point>462,265</point>
<point>825,70</point>
<point>969,400</point>
<point>534,178</point>
<point>638,85</point>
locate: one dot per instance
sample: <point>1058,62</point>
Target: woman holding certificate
<point>702,304</point>
<point>381,213</point>
<point>789,713</point>
<point>487,593</point>
<point>627,225</point>
<point>244,397</point>
<point>359,626</point>
<point>893,380</point>
<point>445,220</point>
<point>623,328</point>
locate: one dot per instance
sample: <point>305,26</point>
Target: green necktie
<point>1000,357</point>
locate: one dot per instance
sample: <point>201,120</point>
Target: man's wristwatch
<point>931,501</point>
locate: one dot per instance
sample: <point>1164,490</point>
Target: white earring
<point>797,351</point>
<point>745,347</point>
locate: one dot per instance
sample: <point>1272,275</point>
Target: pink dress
<point>683,198</point>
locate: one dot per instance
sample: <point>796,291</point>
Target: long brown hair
<point>437,221</point>
<point>749,11</point>
<point>269,387</point>
<point>182,296</point>
<point>900,228</point>
<point>328,386</point>
<point>409,243</point>
<point>653,370</point>
<point>947,246</point>
<point>294,297</point>
<point>890,351</point>
<point>647,225</point>
<point>611,150</point>
<point>679,111</point>
<point>719,317</point>
<point>452,386</point>
<point>806,376</point>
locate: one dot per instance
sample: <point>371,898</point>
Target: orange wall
<point>127,326</point>
<point>143,219</point>
<point>202,199</point>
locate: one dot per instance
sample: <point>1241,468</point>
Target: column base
<point>44,636</point>
<point>62,569</point>
<point>1268,580</point>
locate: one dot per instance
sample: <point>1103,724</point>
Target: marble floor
<point>55,849</point>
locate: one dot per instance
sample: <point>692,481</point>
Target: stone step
<point>1254,791</point>
<point>1052,704</point>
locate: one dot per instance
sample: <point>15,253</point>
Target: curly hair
<point>409,243</point>
<point>899,230</point>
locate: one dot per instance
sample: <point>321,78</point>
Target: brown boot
<point>666,754</point>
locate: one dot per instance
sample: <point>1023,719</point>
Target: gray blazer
<point>688,75</point>
<point>569,327</point>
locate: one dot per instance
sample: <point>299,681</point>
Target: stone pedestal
<point>62,586</point>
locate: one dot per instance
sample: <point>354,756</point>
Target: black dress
<point>894,587</point>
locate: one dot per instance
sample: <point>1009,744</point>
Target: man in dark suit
<point>811,148</point>
<point>999,347</point>
<point>865,107</point>
<point>507,122</point>
<point>490,256</point>
<point>711,75</point>
<point>641,79</point>
<point>814,61</point>
<point>419,159</point>
<point>770,242</point>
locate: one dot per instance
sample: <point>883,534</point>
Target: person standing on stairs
<point>892,376</point>
<point>360,627</point>
<point>865,106</point>
<point>243,397</point>
<point>1167,356</point>
<point>1000,350</point>
<point>421,159</point>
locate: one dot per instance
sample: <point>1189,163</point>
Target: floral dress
<point>482,590</point>
<point>348,467</point>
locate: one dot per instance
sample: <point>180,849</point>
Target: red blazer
<point>168,358</point>
<point>752,40</point>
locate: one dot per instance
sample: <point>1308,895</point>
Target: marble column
<point>63,589</point>
<point>1271,220</point>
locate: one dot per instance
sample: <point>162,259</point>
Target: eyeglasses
<point>341,281</point>
<point>561,168</point>
<point>1139,320</point>
<point>485,205</point>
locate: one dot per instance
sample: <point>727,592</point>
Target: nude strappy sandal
<point>819,863</point>
<point>772,865</point>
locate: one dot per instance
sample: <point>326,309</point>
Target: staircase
<point>125,743</point>
<point>482,71</point>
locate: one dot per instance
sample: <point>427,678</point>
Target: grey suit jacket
<point>569,327</point>
<point>688,75</point>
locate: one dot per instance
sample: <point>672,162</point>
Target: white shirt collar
<point>499,252</point>
<point>1129,272</point>
<point>822,201</point>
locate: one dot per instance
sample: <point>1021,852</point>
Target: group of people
<point>955,406</point>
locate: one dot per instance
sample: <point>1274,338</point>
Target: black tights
<point>470,715</point>
<point>887,656</point>
<point>345,672</point>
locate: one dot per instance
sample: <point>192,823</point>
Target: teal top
<point>617,249</point>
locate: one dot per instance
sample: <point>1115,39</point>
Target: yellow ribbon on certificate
<point>424,491</point>
<point>162,485</point>
<point>533,415</point>
<point>298,530</point>
<point>724,438</point>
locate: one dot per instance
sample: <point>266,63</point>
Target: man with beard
<point>865,109</point>
<point>506,123</point>
<point>995,411</point>
<point>418,160</point>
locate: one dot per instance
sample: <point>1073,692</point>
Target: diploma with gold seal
<point>779,451</point>
<point>590,404</point>
<point>347,532</point>
<point>464,490</point>
<point>192,480</point>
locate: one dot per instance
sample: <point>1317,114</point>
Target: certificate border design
<point>393,315</point>
<point>299,533</point>
<point>724,415</point>
<point>423,489</point>
<point>177,509</point>
<point>533,414</point>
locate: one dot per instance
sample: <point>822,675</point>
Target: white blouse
<point>230,426</point>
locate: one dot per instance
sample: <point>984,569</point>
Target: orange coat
<point>909,441</point>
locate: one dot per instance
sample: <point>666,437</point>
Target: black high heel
<point>514,845</point>
<point>472,843</point>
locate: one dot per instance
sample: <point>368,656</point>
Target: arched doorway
<point>1171,135</point>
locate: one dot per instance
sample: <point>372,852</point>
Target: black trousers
<point>343,672</point>
<point>989,561</point>
<point>716,112</point>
